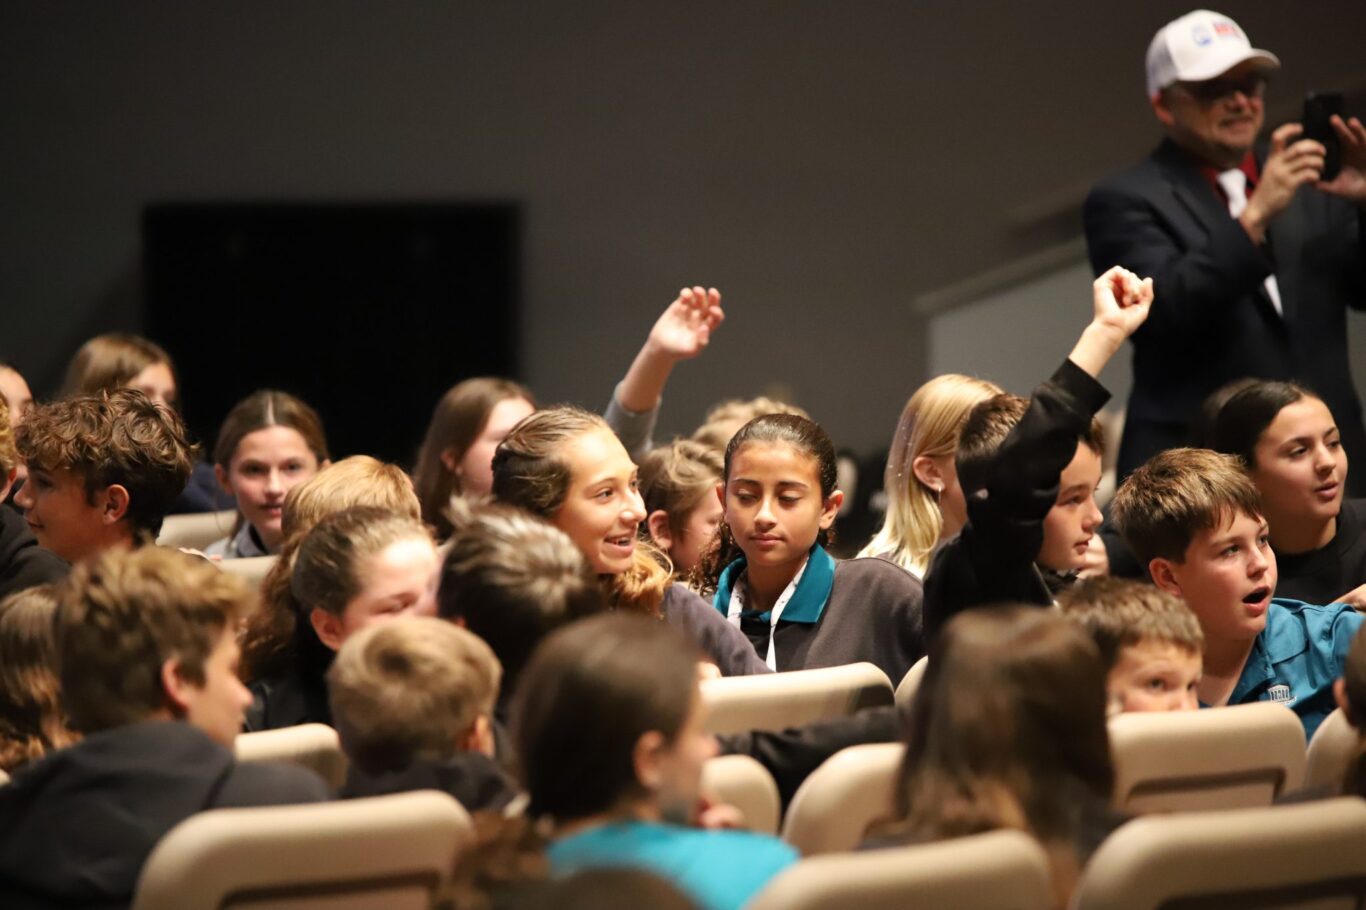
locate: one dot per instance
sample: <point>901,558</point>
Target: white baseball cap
<point>1199,46</point>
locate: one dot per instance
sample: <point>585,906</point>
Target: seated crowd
<point>524,624</point>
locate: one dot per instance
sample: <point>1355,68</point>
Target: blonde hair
<point>928,428</point>
<point>123,614</point>
<point>32,721</point>
<point>408,690</point>
<point>726,418</point>
<point>1163,504</point>
<point>9,454</point>
<point>1121,612</point>
<point>459,419</point>
<point>529,471</point>
<point>267,644</point>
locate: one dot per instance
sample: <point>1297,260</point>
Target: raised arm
<point>682,332</point>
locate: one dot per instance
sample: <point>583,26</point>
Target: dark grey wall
<point>821,162</point>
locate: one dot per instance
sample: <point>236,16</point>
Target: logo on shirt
<point>1281,695</point>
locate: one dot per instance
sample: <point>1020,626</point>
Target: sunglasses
<point>1212,90</point>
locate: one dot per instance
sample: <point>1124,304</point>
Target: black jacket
<point>991,561</point>
<point>474,779</point>
<point>23,563</point>
<point>1211,320</point>
<point>77,826</point>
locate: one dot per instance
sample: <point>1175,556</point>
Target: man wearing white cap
<point>1254,258</point>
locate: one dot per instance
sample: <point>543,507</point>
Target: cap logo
<point>1200,35</point>
<point>1225,29</point>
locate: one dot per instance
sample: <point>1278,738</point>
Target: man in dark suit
<point>1254,258</point>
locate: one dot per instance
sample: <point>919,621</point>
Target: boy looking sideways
<point>1150,641</point>
<point>1194,518</point>
<point>1029,473</point>
<point>103,471</point>
<point>147,660</point>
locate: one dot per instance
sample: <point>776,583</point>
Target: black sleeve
<point>992,558</point>
<point>791,755</point>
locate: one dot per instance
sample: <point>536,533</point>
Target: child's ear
<point>926,470</point>
<point>176,686</point>
<point>657,523</point>
<point>831,509</point>
<point>721,493</point>
<point>1164,576</point>
<point>648,759</point>
<point>479,738</point>
<point>451,463</point>
<point>327,627</point>
<point>222,477</point>
<point>113,501</point>
<point>1340,696</point>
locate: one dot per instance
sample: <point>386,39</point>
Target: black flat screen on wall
<point>369,312</point>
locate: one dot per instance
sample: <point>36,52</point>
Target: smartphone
<point>1318,108</point>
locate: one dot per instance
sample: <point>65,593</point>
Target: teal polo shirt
<point>1296,658</point>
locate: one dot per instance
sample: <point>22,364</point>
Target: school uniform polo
<point>1296,658</point>
<point>720,870</point>
<point>833,613</point>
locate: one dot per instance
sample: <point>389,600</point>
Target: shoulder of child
<point>886,578</point>
<point>1293,624</point>
<point>269,784</point>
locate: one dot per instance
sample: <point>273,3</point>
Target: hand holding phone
<point>1319,109</point>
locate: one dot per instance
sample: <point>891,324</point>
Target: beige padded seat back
<point>742,782</point>
<point>1219,758</point>
<point>851,790</point>
<point>1002,870</point>
<point>4,778</point>
<point>196,531</point>
<point>777,701</point>
<point>314,746</point>
<point>1304,855</point>
<point>1333,748</point>
<point>910,684</point>
<point>252,569</point>
<point>390,851</point>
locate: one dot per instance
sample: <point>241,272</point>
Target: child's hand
<point>718,816</point>
<point>1121,300</point>
<point>685,327</point>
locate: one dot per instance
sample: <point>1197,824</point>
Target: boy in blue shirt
<point>1194,518</point>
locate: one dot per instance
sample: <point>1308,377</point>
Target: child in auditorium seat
<point>1149,640</point>
<point>1008,731</point>
<point>104,470</point>
<point>609,725</point>
<point>568,467</point>
<point>32,720</point>
<point>412,702</point>
<point>1029,471</point>
<point>1194,518</point>
<point>678,485</point>
<point>768,572</point>
<point>457,452</point>
<point>147,652</point>
<point>924,499</point>
<point>1290,446</point>
<point>512,579</point>
<point>357,567</point>
<point>269,443</point>
<point>121,361</point>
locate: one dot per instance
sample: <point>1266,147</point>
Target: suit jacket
<point>1212,321</point>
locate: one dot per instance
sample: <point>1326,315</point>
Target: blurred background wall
<point>857,178</point>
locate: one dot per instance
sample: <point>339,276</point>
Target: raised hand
<point>1350,183</point>
<point>685,327</point>
<point>1121,300</point>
